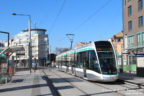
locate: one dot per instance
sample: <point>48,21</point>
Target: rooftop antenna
<point>99,38</point>
<point>35,25</point>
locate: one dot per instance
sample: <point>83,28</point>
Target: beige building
<point>133,13</point>
<point>117,41</point>
<point>39,46</point>
<point>81,44</point>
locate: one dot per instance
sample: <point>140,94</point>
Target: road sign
<point>125,52</point>
<point>140,55</point>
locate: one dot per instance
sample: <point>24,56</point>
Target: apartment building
<point>39,42</point>
<point>133,15</point>
<point>1,43</point>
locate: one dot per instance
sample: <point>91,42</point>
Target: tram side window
<point>68,59</point>
<point>65,60</point>
<point>59,61</point>
<point>86,59</point>
<point>75,60</point>
<point>93,62</point>
<point>62,60</point>
<point>79,58</point>
<point>71,59</point>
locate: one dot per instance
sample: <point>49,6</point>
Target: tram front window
<point>93,63</point>
<point>106,58</point>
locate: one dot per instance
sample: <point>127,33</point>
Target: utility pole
<point>70,37</point>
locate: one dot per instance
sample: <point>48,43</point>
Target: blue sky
<point>87,19</point>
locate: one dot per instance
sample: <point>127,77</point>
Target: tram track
<point>111,90</point>
<point>84,92</point>
<point>114,91</point>
<point>120,92</point>
<point>126,88</point>
<point>125,85</point>
<point>49,83</point>
<point>137,86</point>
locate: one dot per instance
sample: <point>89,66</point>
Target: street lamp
<point>70,37</point>
<point>30,48</point>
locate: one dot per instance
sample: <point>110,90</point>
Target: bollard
<point>5,80</point>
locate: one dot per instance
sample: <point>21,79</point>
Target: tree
<point>61,50</point>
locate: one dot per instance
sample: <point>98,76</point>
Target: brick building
<point>117,41</point>
<point>133,13</point>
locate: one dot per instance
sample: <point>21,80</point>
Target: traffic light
<point>1,54</point>
<point>6,53</point>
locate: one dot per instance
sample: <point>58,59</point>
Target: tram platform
<point>24,83</point>
<point>131,78</point>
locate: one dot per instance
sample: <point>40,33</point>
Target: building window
<point>130,10</point>
<point>129,0</point>
<point>125,2</point>
<point>140,37</point>
<point>131,41</point>
<point>140,20</point>
<point>140,4</point>
<point>143,38</point>
<point>130,25</point>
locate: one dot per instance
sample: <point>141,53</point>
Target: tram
<point>95,61</point>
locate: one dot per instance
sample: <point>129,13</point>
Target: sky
<point>88,20</point>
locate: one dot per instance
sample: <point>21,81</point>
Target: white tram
<point>95,61</point>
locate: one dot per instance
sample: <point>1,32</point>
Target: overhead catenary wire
<point>56,18</point>
<point>61,39</point>
<point>85,21</point>
<point>91,16</point>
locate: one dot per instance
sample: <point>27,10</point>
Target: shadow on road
<point>54,90</point>
<point>22,87</point>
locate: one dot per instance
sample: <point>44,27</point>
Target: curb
<point>138,84</point>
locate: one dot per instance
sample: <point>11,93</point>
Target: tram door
<point>84,68</point>
<point>73,63</point>
<point>66,63</point>
<point>85,63</point>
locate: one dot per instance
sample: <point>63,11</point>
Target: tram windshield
<point>106,57</point>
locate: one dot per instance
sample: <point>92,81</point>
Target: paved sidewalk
<point>26,84</point>
<point>132,78</point>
